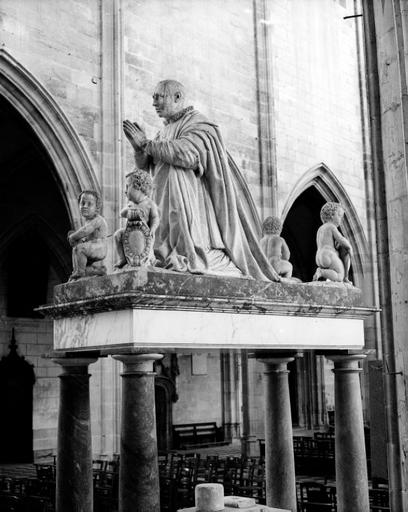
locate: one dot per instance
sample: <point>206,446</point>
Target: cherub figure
<point>275,248</point>
<point>142,213</point>
<point>334,251</point>
<point>88,243</point>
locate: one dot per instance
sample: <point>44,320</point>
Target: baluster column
<point>351,462</point>
<point>74,483</point>
<point>279,456</point>
<point>139,473</point>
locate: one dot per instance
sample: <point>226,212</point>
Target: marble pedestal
<point>148,310</point>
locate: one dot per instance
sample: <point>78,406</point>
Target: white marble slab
<point>198,329</point>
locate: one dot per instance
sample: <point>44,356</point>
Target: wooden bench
<point>187,435</point>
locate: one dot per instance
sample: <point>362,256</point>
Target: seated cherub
<point>275,248</point>
<point>88,243</point>
<point>139,208</point>
<point>334,251</point>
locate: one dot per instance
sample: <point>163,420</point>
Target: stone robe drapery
<point>204,225</point>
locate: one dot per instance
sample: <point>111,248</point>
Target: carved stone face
<point>338,217</point>
<point>88,206</point>
<point>134,194</point>
<point>165,103</point>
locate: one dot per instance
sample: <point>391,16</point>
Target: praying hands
<point>135,134</point>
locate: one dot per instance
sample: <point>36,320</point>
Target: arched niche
<point>301,219</point>
<point>31,99</point>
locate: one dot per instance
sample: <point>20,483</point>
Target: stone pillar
<point>139,473</point>
<point>74,489</point>
<point>351,462</point>
<point>279,456</point>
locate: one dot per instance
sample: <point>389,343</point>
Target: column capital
<point>138,363</point>
<point>276,364</point>
<point>346,362</point>
<point>74,364</point>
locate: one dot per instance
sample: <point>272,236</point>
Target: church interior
<point>310,98</point>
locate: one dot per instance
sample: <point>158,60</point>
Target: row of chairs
<point>26,495</point>
<point>180,473</point>
<point>315,455</point>
<point>318,497</point>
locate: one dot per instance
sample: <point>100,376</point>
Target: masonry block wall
<point>316,95</point>
<point>199,389</point>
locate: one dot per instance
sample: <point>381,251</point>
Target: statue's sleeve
<point>142,160</point>
<point>180,152</point>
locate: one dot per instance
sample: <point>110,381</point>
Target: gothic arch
<point>326,183</point>
<point>48,121</point>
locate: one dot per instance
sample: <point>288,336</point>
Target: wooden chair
<point>168,495</point>
<point>45,471</point>
<point>379,500</point>
<point>315,497</point>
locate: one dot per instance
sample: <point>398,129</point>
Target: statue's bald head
<point>168,98</point>
<point>172,87</point>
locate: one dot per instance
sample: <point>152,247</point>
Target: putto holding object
<point>88,243</point>
<point>334,251</point>
<point>134,244</point>
<point>275,248</point>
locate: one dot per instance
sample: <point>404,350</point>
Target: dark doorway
<point>299,231</point>
<point>16,406</point>
<point>161,418</point>
<point>164,407</point>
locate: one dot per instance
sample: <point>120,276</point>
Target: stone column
<point>351,462</point>
<point>279,456</point>
<point>139,473</point>
<point>74,489</point>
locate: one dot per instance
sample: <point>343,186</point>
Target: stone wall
<point>209,47</point>
<point>316,95</point>
<point>59,43</point>
<point>199,390</point>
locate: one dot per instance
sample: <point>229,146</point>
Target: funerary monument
<point>192,273</point>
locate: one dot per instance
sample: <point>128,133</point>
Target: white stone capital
<point>347,363</point>
<point>138,363</point>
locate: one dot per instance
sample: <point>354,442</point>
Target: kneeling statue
<point>134,244</point>
<point>334,251</point>
<point>88,243</point>
<point>275,247</point>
